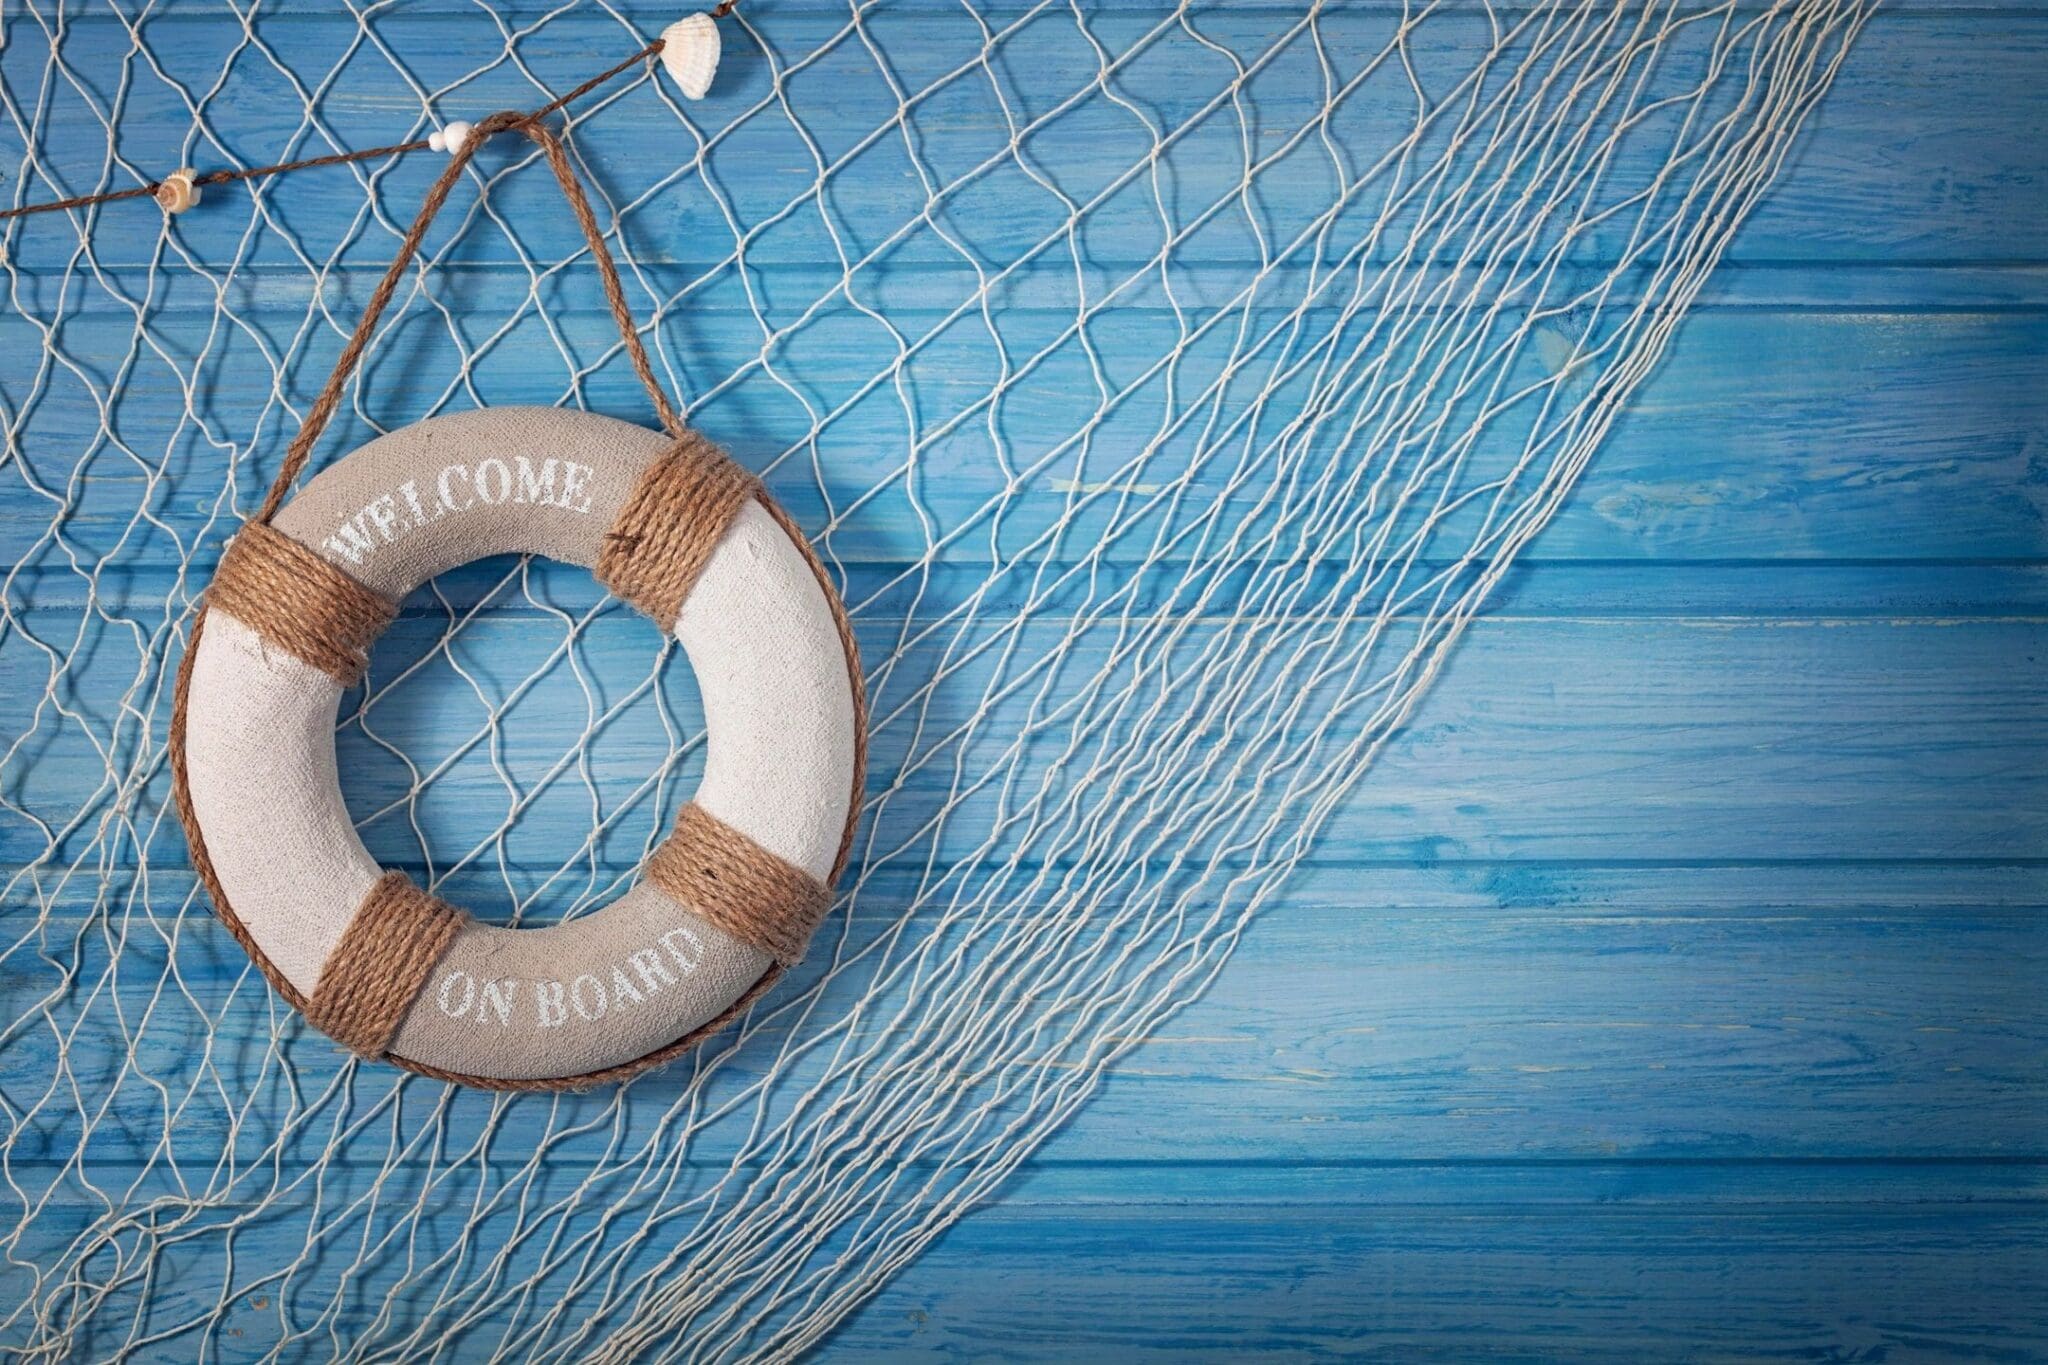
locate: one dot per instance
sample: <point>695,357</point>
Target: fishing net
<point>1167,389</point>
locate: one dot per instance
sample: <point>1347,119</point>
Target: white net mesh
<point>1167,389</point>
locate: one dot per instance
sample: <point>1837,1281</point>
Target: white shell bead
<point>689,49</point>
<point>451,138</point>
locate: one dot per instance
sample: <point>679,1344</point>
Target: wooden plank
<point>936,287</point>
<point>1563,739</point>
<point>1600,1282</point>
<point>1538,586</point>
<point>649,16</point>
<point>1893,138</point>
<point>1472,1012</point>
<point>1767,436</point>
<point>1620,1262</point>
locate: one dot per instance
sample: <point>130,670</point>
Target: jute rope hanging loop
<point>673,526</point>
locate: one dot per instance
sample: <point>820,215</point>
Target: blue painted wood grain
<point>1673,988</point>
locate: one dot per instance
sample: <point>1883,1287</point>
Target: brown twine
<point>726,879</point>
<point>149,191</point>
<point>351,1020</point>
<point>298,602</point>
<point>670,524</point>
<point>383,961</point>
<point>322,410</point>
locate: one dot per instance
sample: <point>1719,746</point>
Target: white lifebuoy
<point>613,991</point>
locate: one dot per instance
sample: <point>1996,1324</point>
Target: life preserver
<point>671,525</point>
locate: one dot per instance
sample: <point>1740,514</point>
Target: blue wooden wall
<point>1674,987</point>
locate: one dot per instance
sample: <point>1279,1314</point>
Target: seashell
<point>689,49</point>
<point>451,138</point>
<point>176,192</point>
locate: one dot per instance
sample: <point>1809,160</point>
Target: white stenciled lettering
<point>500,995</point>
<point>445,486</point>
<point>552,482</point>
<point>576,486</point>
<point>383,513</point>
<point>586,993</point>
<point>446,489</point>
<point>445,997</point>
<point>351,541</point>
<point>493,481</point>
<point>411,490</point>
<point>622,985</point>
<point>654,973</point>
<point>624,990</point>
<point>684,946</point>
<point>536,487</point>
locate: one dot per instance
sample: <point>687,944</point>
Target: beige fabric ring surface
<point>679,531</point>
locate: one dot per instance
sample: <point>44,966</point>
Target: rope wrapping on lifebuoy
<point>734,883</point>
<point>672,521</point>
<point>298,602</point>
<point>374,974</point>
